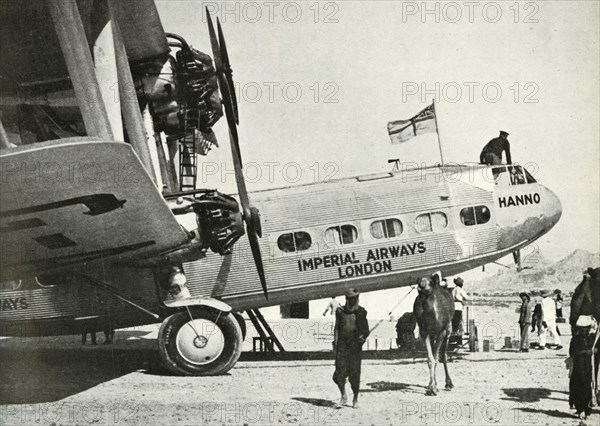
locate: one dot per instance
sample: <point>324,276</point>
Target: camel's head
<point>425,285</point>
<point>593,274</point>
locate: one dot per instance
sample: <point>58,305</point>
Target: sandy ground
<point>56,380</point>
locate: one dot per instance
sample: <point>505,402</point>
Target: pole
<point>437,131</point>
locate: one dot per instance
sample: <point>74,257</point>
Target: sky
<point>317,83</point>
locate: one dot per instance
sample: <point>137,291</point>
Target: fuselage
<point>379,231</point>
<point>371,232</point>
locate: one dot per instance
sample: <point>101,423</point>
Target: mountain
<point>565,274</point>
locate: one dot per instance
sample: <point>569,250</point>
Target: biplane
<point>97,178</point>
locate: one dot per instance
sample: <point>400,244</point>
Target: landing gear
<point>200,341</point>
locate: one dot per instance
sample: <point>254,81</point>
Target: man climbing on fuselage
<point>491,154</point>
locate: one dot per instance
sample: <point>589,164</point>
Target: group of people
<point>543,318</point>
<point>584,350</point>
<point>352,329</point>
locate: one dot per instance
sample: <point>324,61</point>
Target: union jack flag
<point>404,130</point>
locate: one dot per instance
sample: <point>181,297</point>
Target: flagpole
<point>437,131</point>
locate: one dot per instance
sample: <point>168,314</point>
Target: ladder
<point>188,160</point>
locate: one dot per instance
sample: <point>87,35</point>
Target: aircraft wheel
<point>242,322</point>
<point>207,345</point>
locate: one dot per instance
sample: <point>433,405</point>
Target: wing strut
<point>132,116</point>
<point>75,48</point>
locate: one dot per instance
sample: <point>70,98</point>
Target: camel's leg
<point>446,338</point>
<point>431,361</point>
<point>439,345</point>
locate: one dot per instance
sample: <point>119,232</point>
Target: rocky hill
<point>540,274</point>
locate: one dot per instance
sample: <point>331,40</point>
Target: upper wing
<point>74,200</point>
<point>29,46</point>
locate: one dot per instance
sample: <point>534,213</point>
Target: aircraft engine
<point>183,95</point>
<point>220,221</point>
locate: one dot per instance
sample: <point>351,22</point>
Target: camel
<point>433,310</point>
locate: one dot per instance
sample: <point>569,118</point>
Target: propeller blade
<point>255,247</point>
<point>228,71</point>
<point>256,221</point>
<point>239,176</point>
<point>226,89</point>
<point>213,42</point>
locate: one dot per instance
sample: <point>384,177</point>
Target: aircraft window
<point>477,215</point>
<point>439,220</point>
<point>482,214</point>
<point>341,235</point>
<point>10,285</point>
<point>530,179</point>
<point>429,222</point>
<point>386,228</point>
<point>467,216</point>
<point>516,175</point>
<point>296,241</point>
<point>499,174</point>
<point>303,240</point>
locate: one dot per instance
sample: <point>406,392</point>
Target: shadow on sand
<point>383,386</point>
<point>529,394</point>
<point>41,375</point>
<point>550,413</point>
<point>316,401</point>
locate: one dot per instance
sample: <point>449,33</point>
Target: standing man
<point>559,303</point>
<point>584,353</point>
<point>491,154</point>
<point>525,321</point>
<point>332,305</point>
<point>460,297</point>
<point>350,333</point>
<point>549,317</point>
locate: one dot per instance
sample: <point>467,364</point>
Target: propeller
<point>228,71</point>
<point>250,214</point>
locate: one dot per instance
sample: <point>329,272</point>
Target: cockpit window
<point>500,176</point>
<point>530,179</point>
<point>516,175</point>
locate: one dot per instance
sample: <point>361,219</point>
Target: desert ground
<point>56,380</point>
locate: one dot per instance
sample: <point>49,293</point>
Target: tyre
<point>242,322</point>
<point>206,344</point>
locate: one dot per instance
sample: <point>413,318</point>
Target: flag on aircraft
<point>403,130</point>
